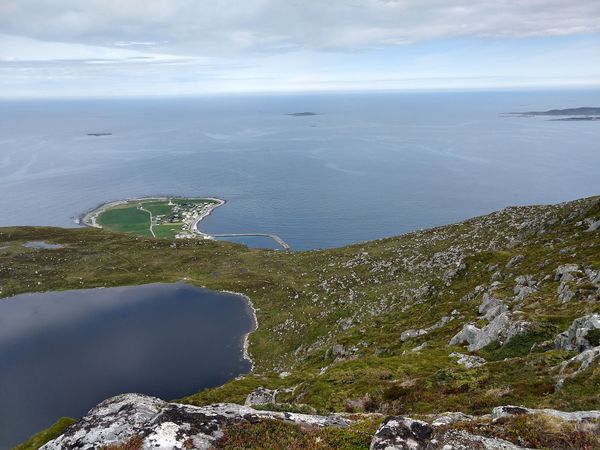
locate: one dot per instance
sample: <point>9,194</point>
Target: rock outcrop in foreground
<point>162,425</point>
<point>135,421</point>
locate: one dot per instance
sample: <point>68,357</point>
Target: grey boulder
<point>575,338</point>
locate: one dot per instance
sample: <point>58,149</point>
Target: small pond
<point>42,245</point>
<point>63,352</point>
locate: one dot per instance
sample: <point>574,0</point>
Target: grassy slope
<point>361,297</point>
<point>39,439</point>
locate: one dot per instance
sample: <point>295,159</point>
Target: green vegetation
<point>540,431</point>
<point>162,218</point>
<point>333,318</point>
<point>127,219</point>
<point>594,337</point>
<point>39,439</point>
<point>274,434</point>
<point>520,345</point>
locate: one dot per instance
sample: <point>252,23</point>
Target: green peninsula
<point>163,217</point>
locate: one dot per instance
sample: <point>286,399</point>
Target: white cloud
<point>17,48</point>
<point>214,27</point>
<point>195,46</point>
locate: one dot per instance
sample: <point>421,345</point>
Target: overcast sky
<point>190,47</point>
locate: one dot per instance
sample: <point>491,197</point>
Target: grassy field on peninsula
<point>127,218</point>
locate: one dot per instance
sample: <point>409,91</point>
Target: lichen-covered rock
<point>514,261</point>
<point>525,285</point>
<point>116,419</point>
<point>566,272</point>
<point>593,226</point>
<point>468,334</point>
<point>502,329</point>
<point>161,425</point>
<point>448,418</point>
<point>575,416</point>
<point>594,276</point>
<point>158,425</point>
<point>578,363</point>
<point>418,348</point>
<point>491,307</point>
<point>402,433</point>
<point>450,273</point>
<point>261,396</point>
<point>565,294</point>
<point>411,334</point>
<point>463,440</point>
<point>470,362</point>
<point>575,337</point>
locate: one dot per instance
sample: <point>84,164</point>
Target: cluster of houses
<point>185,214</point>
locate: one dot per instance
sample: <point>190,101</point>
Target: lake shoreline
<point>246,339</point>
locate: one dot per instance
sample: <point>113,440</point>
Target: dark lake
<point>63,352</point>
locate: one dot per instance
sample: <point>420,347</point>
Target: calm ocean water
<point>368,166</point>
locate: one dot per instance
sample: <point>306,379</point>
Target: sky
<point>91,48</point>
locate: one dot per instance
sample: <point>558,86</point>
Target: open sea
<point>367,166</point>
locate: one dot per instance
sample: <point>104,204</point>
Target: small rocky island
<point>303,114</point>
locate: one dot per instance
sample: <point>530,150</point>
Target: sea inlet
<point>63,352</point>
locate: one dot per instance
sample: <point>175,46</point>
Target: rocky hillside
<point>134,421</point>
<point>497,310</point>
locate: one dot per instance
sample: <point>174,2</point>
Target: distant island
<point>576,119</point>
<point>99,134</point>
<point>584,113</point>
<point>301,114</point>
